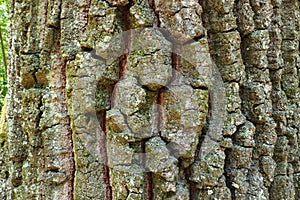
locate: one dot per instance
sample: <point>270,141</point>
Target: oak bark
<point>158,99</point>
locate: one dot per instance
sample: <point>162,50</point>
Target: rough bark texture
<point>148,118</point>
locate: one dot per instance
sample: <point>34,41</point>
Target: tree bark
<point>133,99</point>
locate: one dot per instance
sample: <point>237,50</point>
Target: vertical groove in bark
<point>101,115</point>
<point>159,103</point>
<point>126,38</point>
<point>122,67</point>
<point>64,137</point>
<point>124,17</point>
<point>72,167</point>
<point>61,91</point>
<point>228,178</point>
<point>193,191</point>
<point>149,185</point>
<point>148,175</point>
<point>156,22</point>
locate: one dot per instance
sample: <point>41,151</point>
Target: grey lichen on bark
<point>158,99</point>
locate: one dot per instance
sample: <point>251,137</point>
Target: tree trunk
<point>129,99</point>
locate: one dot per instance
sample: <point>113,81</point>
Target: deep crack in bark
<point>148,175</point>
<point>156,21</point>
<point>70,133</point>
<point>101,115</point>
<point>123,15</point>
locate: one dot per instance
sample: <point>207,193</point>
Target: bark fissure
<point>70,134</point>
<point>156,20</point>
<point>101,115</point>
<point>159,103</point>
<point>192,186</point>
<point>39,116</point>
<point>126,38</point>
<point>149,186</point>
<point>123,16</point>
<point>228,178</point>
<point>148,174</point>
<point>62,90</point>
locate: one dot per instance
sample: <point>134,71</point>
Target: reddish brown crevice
<point>101,115</point>
<point>193,190</point>
<point>176,60</point>
<point>122,65</point>
<point>156,21</point>
<point>62,91</point>
<point>108,189</point>
<point>149,186</point>
<point>148,175</point>
<point>143,153</point>
<point>123,16</point>
<point>158,124</point>
<point>159,110</point>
